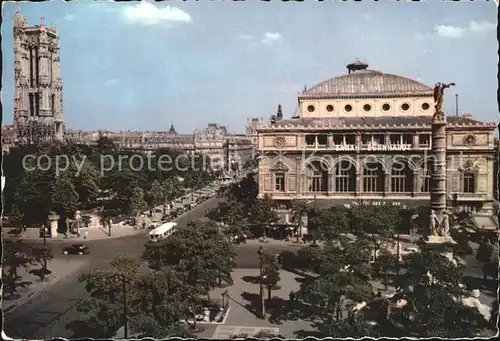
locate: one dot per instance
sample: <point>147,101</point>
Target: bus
<point>163,231</point>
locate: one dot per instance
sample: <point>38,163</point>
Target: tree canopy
<point>64,177</point>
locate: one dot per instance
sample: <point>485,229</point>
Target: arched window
<point>469,177</point>
<point>345,177</point>
<point>401,178</point>
<point>373,177</point>
<point>317,173</point>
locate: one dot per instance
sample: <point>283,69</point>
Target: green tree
<point>16,217</point>
<point>198,250</point>
<point>63,196</point>
<point>111,292</point>
<point>232,214</point>
<point>298,210</point>
<point>377,223</point>
<point>342,275</point>
<point>484,252</point>
<point>329,225</point>
<point>264,214</point>
<point>41,255</point>
<point>137,204</point>
<point>271,274</point>
<point>156,193</point>
<point>13,260</point>
<point>87,184</point>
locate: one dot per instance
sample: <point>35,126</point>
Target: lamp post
<point>260,252</point>
<point>398,253</point>
<point>125,310</point>
<point>44,229</point>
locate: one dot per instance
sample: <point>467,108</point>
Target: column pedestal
<point>440,244</point>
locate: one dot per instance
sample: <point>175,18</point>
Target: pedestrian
<point>86,234</point>
<point>292,296</point>
<point>24,228</point>
<point>150,213</point>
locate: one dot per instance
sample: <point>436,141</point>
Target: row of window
<point>367,107</point>
<point>322,140</point>
<point>372,182</point>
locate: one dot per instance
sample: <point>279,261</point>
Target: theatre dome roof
<point>361,81</point>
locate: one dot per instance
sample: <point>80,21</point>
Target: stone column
<point>53,219</point>
<point>330,141</point>
<point>414,190</point>
<point>359,183</point>
<point>298,178</point>
<point>387,183</point>
<point>438,174</point>
<point>438,234</point>
<point>331,182</point>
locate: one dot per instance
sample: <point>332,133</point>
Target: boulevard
<point>53,312</point>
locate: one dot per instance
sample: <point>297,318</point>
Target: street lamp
<point>260,252</point>
<point>44,229</point>
<point>398,254</point>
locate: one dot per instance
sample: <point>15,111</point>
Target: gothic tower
<point>38,100</point>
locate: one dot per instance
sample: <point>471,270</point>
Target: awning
<point>486,223</point>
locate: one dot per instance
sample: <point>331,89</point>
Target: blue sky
<point>133,66</point>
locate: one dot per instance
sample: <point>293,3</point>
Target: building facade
<point>365,137</point>
<point>214,141</point>
<point>38,99</point>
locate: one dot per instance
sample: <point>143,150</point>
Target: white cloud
<point>269,38</point>
<point>475,27</point>
<point>110,82</point>
<point>481,26</point>
<point>69,17</point>
<point>449,31</point>
<point>147,13</point>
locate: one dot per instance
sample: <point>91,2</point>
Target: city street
<point>53,312</point>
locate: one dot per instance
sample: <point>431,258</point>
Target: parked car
<point>76,249</point>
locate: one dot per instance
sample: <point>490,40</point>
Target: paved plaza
<point>244,298</point>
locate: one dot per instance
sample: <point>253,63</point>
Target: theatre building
<point>365,137</point>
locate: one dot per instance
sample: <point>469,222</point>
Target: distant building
<point>365,137</point>
<point>8,136</point>
<point>38,99</point>
<point>214,142</point>
<point>39,115</point>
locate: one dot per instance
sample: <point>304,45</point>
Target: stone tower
<point>38,99</point>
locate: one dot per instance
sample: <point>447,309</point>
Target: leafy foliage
<point>156,193</point>
<point>270,271</point>
<point>137,202</point>
<point>199,250</point>
<point>263,214</point>
<point>13,260</point>
<point>88,177</point>
<point>155,301</point>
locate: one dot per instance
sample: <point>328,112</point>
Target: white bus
<point>163,231</point>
